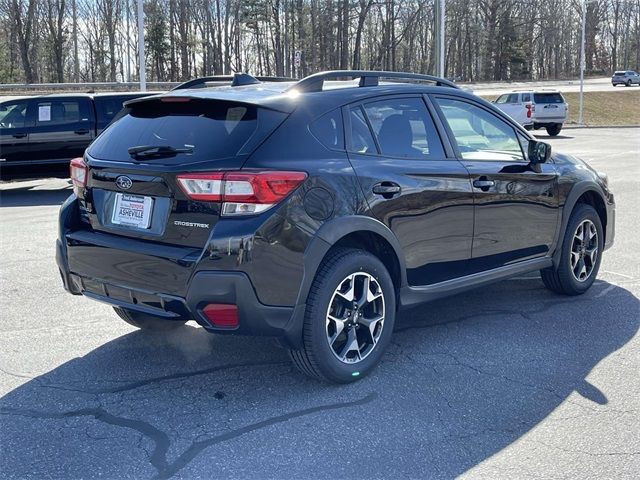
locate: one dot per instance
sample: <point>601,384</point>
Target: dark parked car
<point>314,211</point>
<point>53,129</point>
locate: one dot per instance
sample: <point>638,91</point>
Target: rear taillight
<point>241,193</point>
<point>530,109</point>
<point>78,172</point>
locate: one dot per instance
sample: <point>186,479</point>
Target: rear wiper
<point>157,150</point>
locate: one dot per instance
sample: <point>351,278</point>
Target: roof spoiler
<point>368,78</point>
<point>235,80</point>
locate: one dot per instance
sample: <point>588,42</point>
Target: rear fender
<point>324,239</point>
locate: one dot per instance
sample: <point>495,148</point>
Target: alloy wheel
<point>584,250</point>
<point>355,317</point>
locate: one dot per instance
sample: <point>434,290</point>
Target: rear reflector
<point>78,173</point>
<point>243,193</point>
<point>221,315</point>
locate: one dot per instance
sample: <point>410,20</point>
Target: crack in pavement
<point>586,452</point>
<point>174,376</point>
<point>158,457</point>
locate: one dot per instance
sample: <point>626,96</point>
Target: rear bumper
<point>203,288</point>
<point>547,122</point>
<point>160,280</point>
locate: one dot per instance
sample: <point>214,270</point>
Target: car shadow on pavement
<point>464,378</point>
<point>30,197</point>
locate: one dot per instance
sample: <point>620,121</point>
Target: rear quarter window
<point>329,130</point>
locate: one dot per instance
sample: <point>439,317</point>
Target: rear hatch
<point>132,187</point>
<point>550,106</point>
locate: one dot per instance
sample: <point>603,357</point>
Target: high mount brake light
<point>242,193</point>
<point>78,172</point>
<point>175,99</point>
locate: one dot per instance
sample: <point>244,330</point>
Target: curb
<point>565,127</point>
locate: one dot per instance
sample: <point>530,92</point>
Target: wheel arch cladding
<point>354,231</point>
<point>593,198</point>
<point>586,193</point>
<point>378,246</point>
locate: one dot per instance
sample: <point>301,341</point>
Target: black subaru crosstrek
<point>314,211</point>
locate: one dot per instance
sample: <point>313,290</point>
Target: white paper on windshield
<point>44,113</point>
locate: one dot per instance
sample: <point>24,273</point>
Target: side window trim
<point>449,149</point>
<point>452,137</point>
<point>346,116</point>
<point>373,133</point>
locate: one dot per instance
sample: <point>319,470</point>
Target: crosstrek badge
<point>180,223</point>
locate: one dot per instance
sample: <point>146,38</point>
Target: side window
<point>513,98</point>
<point>502,98</point>
<point>479,134</point>
<point>13,114</point>
<point>361,138</point>
<point>329,130</point>
<point>526,97</point>
<point>404,128</point>
<point>60,112</point>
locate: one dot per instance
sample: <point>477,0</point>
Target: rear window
<point>617,74</point>
<point>548,98</point>
<point>211,130</point>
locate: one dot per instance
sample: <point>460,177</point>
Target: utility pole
<point>143,75</point>
<point>440,14</point>
<point>582,64</point>
<point>128,41</point>
<point>76,66</point>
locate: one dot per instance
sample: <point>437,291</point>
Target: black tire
<point>554,130</point>
<point>561,279</point>
<point>628,84</point>
<point>146,321</point>
<point>316,358</point>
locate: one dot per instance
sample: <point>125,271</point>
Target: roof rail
<point>368,78</point>
<point>237,80</point>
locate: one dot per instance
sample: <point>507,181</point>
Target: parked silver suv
<point>625,77</point>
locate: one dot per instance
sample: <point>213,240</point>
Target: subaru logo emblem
<point>123,182</point>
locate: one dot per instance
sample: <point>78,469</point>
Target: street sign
<point>298,58</point>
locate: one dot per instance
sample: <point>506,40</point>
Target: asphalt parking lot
<point>505,381</point>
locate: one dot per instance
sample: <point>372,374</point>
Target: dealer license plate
<point>132,210</point>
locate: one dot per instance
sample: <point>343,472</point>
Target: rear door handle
<point>483,184</point>
<point>82,131</point>
<point>386,189</point>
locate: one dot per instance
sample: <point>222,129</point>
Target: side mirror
<point>539,152</point>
